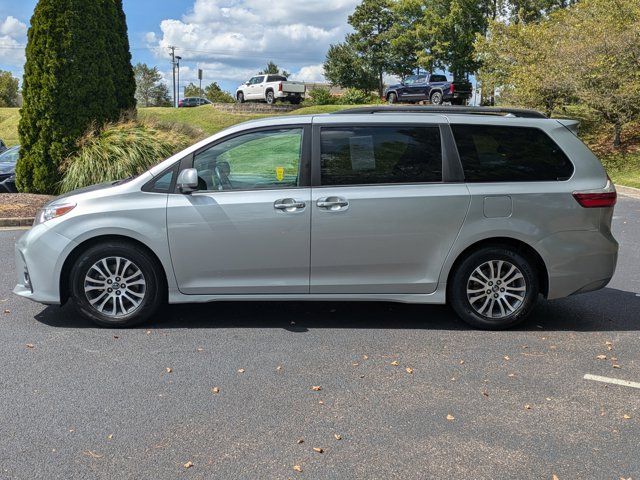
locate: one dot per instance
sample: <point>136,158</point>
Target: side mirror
<point>188,180</point>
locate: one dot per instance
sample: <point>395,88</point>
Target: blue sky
<point>229,39</point>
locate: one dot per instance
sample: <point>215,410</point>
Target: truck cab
<point>434,88</point>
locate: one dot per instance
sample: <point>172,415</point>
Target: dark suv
<point>193,102</point>
<point>429,87</point>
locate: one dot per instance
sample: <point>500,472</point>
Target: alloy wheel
<point>496,289</point>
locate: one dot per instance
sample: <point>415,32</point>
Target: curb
<point>629,191</point>
<point>16,222</point>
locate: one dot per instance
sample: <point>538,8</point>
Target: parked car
<point>193,102</point>
<point>270,88</point>
<point>430,87</point>
<point>8,160</point>
<point>485,209</point>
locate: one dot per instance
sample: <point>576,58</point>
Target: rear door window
<point>491,153</point>
<point>380,154</point>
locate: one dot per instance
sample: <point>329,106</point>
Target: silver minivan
<point>484,209</point>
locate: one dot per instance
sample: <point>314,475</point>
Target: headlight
<point>53,211</point>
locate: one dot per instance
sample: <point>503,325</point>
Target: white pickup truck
<point>270,88</point>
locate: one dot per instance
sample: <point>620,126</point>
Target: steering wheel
<point>222,180</point>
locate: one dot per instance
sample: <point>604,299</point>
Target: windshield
<point>8,160</point>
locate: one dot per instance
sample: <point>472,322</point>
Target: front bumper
<point>40,254</point>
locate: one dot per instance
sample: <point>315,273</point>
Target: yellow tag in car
<point>280,173</point>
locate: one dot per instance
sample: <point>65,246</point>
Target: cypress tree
<point>69,84</point>
<point>123,75</point>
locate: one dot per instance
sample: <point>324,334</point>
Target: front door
<point>247,229</point>
<point>383,221</point>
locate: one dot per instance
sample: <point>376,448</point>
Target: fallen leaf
<point>169,370</point>
<point>297,468</point>
<point>615,365</point>
<point>116,337</point>
<point>555,477</point>
<point>601,357</point>
<point>512,375</point>
<point>461,362</point>
<point>7,311</point>
<point>199,349</point>
<point>189,464</point>
<point>527,407</point>
<point>300,441</point>
<point>548,399</point>
<point>365,357</point>
<point>316,388</point>
<point>92,454</point>
<point>318,449</point>
<point>241,370</point>
<point>626,417</point>
<point>279,367</point>
<point>110,436</point>
<point>485,393</point>
<point>506,357</point>
<point>30,345</point>
<point>321,402</point>
<point>450,417</point>
<point>337,436</point>
<point>409,370</point>
<point>148,332</point>
<point>355,364</point>
<point>215,390</point>
<point>395,363</point>
<point>361,376</point>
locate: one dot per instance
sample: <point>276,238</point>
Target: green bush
<point>354,96</point>
<point>77,73</point>
<point>122,150</point>
<point>321,96</point>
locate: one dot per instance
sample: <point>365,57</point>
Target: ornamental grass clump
<point>121,150</point>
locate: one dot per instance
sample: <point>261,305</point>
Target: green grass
<point>9,118</point>
<point>207,118</point>
<point>624,169</point>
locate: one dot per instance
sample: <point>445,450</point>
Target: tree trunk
<point>617,133</point>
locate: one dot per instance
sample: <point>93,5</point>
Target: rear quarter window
<point>491,153</point>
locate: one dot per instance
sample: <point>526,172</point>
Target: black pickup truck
<point>429,87</point>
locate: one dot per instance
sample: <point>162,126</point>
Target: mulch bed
<point>21,205</point>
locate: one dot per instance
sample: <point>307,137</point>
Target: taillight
<point>280,87</point>
<point>601,198</point>
<point>452,88</point>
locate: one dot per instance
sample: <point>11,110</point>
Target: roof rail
<point>514,112</point>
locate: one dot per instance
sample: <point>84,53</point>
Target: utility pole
<point>200,78</point>
<point>178,64</point>
<point>173,68</point>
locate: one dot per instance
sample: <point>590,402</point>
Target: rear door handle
<point>333,204</point>
<point>289,205</point>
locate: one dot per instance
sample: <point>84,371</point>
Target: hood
<point>89,189</point>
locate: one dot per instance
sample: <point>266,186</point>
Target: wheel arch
<point>519,246</point>
<point>65,272</point>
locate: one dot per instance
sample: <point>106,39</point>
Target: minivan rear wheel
<point>116,284</point>
<point>494,288</point>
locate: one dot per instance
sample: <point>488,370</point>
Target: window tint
<point>163,184</point>
<point>276,78</point>
<point>257,160</point>
<point>368,155</point>
<point>509,154</point>
<point>438,78</point>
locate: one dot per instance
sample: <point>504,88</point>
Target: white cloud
<point>13,37</point>
<point>311,73</point>
<point>233,39</point>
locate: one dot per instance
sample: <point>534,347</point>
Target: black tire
<point>392,98</point>
<point>436,98</point>
<point>154,292</point>
<point>295,100</point>
<point>477,314</point>
<point>270,97</point>
<point>457,101</point>
<point>240,97</point>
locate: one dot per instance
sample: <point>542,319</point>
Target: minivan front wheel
<point>116,284</point>
<point>494,288</point>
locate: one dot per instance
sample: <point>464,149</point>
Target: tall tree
<point>8,89</point>
<point>69,84</point>
<point>214,93</point>
<point>273,69</point>
<point>150,91</point>
<point>120,55</point>
<point>343,66</point>
<point>371,21</point>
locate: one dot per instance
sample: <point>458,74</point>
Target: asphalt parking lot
<point>406,391</point>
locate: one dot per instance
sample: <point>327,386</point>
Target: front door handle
<point>333,204</point>
<point>289,205</point>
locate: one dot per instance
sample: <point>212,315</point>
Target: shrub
<point>121,150</point>
<point>354,96</point>
<point>321,96</point>
<point>77,73</point>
